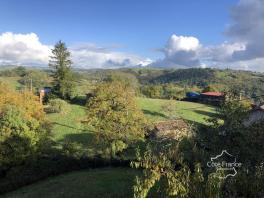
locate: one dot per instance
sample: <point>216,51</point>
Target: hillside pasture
<point>96,183</point>
<point>194,112</point>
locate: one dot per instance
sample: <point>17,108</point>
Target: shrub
<point>58,106</point>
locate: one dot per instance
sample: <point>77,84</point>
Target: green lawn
<point>70,127</point>
<point>94,183</point>
<point>69,123</point>
<point>191,111</point>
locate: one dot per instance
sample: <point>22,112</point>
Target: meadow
<point>104,182</point>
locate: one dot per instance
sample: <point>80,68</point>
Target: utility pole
<point>31,85</point>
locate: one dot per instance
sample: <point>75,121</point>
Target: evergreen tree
<point>63,77</point>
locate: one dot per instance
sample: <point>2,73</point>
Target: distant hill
<point>247,81</point>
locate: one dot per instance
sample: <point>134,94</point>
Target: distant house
<point>214,98</point>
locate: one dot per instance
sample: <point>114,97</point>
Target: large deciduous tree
<point>113,113</point>
<point>61,63</point>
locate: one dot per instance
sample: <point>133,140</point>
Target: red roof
<point>211,93</point>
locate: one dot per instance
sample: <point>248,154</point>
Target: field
<point>194,112</point>
<point>104,182</point>
<point>69,126</point>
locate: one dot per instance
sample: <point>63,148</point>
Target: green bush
<point>58,106</point>
<point>20,137</point>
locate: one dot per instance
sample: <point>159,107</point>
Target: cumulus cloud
<point>92,56</point>
<point>243,49</point>
<point>221,53</point>
<point>22,49</point>
<point>180,51</point>
<point>26,49</point>
<point>248,27</point>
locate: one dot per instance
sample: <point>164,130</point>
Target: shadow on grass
<point>79,100</point>
<point>85,139</point>
<point>206,113</point>
<point>154,113</point>
<point>68,126</point>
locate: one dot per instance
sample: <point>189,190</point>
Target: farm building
<point>214,98</point>
<point>192,96</point>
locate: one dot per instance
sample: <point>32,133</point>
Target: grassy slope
<point>69,123</point>
<point>187,110</point>
<point>69,126</point>
<point>105,182</point>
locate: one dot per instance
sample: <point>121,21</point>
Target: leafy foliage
<point>57,106</point>
<point>22,127</point>
<point>115,117</point>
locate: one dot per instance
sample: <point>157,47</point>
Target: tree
<point>163,164</point>
<point>63,76</point>
<point>114,115</point>
<point>22,127</point>
<point>209,88</point>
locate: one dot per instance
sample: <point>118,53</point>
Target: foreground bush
<point>22,127</point>
<point>58,106</point>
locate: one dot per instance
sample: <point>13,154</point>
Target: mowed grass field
<point>69,126</point>
<point>94,183</point>
<point>194,112</point>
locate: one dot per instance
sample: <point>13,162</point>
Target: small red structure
<point>213,94</point>
<point>214,98</point>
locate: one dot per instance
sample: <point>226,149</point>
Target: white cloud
<point>181,43</point>
<point>220,53</point>
<point>22,49</point>
<point>180,51</point>
<point>92,56</point>
<point>244,48</point>
<point>248,27</point>
<point>26,49</point>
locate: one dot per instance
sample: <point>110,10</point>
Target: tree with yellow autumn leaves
<point>22,126</point>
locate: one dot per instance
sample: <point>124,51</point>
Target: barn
<point>213,98</point>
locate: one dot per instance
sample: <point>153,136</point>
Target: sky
<point>127,33</point>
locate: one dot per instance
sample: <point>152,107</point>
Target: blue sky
<point>139,26</point>
<point>142,28</point>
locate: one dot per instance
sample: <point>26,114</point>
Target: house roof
<point>211,93</point>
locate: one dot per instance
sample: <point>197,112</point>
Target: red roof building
<point>214,98</point>
<point>211,93</point>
